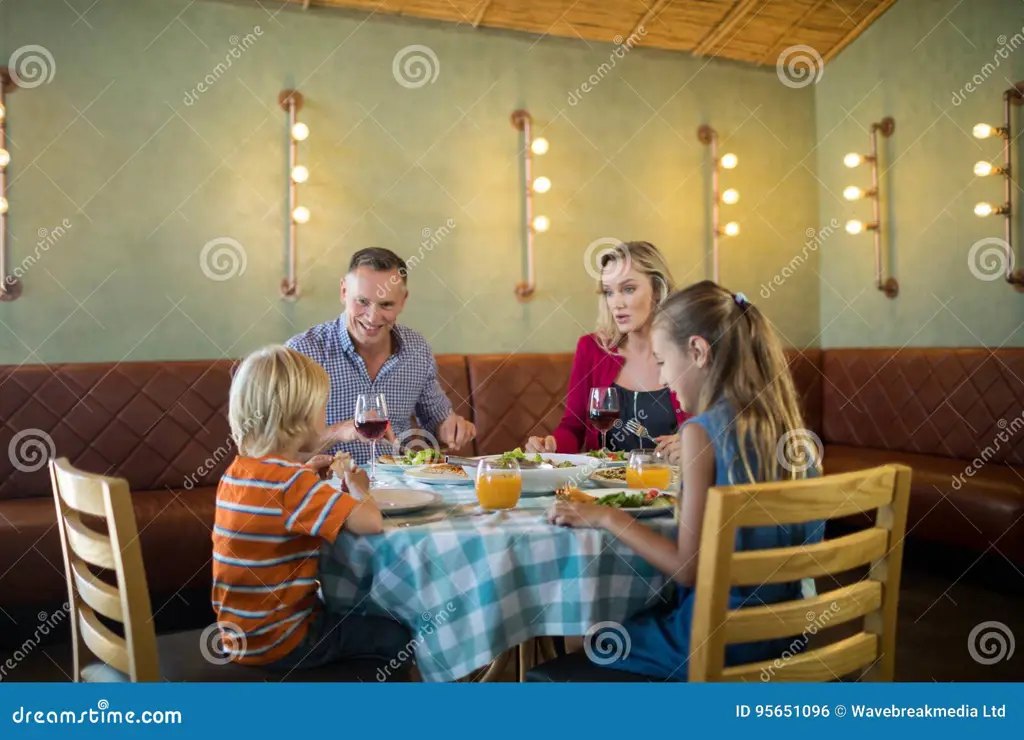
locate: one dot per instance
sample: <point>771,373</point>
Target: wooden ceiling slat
<point>769,56</point>
<point>846,40</point>
<point>739,11</point>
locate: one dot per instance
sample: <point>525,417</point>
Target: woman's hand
<point>542,444</point>
<point>565,514</point>
<point>671,446</point>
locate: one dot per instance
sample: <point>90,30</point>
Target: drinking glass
<point>498,484</point>
<point>372,423</point>
<point>648,469</point>
<point>604,411</point>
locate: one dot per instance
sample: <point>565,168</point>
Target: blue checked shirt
<point>408,380</point>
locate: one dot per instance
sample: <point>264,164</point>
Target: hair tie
<point>741,300</point>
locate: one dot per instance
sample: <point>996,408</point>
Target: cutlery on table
<point>635,427</point>
<point>474,461</point>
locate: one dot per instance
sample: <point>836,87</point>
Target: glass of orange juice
<point>648,469</point>
<point>498,484</point>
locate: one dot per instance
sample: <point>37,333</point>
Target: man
<point>365,351</point>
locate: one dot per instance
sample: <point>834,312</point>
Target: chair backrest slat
<point>792,618</point>
<point>793,563</point>
<point>75,493</point>
<point>828,663</point>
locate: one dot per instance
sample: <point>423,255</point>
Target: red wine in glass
<point>371,421</point>
<point>604,410</point>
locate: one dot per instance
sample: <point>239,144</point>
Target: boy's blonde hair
<point>276,395</point>
<point>748,369</point>
<point>649,261</point>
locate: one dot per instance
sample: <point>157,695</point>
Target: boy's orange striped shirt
<point>272,517</point>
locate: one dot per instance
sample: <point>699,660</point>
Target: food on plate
<point>444,469</point>
<point>518,454</point>
<point>574,495</point>
<point>411,457</point>
<point>611,474</point>
<point>341,464</point>
<point>638,500</point>
<point>608,455</point>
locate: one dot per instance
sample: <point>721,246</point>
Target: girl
<point>273,514</point>
<point>720,355</point>
<point>634,280</point>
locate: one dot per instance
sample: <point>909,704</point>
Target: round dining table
<point>472,586</point>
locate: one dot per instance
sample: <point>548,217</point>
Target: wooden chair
<point>140,655</point>
<point>886,490</point>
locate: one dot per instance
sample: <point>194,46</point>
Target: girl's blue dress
<point>659,638</point>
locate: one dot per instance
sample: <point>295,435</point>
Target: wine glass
<point>648,469</point>
<point>372,423</point>
<point>604,410</point>
<point>499,484</point>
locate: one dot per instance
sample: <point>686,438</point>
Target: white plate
<point>548,480</point>
<point>643,511</point>
<point>602,483</point>
<point>402,500</point>
<point>447,479</point>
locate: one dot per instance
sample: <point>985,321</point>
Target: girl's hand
<point>671,445</point>
<point>542,444</point>
<point>565,514</point>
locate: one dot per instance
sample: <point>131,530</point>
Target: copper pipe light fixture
<point>709,137</point>
<point>1013,96</point>
<point>522,121</point>
<point>885,127</point>
<point>291,102</point>
<point>10,286</point>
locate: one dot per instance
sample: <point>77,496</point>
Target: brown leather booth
<point>954,416</point>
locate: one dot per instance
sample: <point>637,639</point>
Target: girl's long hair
<point>749,370</point>
<point>648,260</point>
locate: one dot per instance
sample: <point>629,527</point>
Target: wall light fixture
<point>709,137</point>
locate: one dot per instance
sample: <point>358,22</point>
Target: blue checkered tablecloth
<point>470,588</point>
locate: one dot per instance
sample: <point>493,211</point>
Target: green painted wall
<point>146,179</point>
<point>915,64</point>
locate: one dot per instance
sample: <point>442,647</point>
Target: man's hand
<point>455,432</point>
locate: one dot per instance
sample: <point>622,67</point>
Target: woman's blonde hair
<point>276,395</point>
<point>649,261</point>
<point>749,370</point>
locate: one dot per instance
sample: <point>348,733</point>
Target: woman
<point>635,279</point>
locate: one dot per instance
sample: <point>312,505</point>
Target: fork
<point>635,427</point>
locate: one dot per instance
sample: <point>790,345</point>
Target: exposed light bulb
<point>300,215</point>
<point>982,131</point>
<point>3,113</point>
<point>852,160</point>
<point>541,185</point>
<point>983,209</point>
<point>853,193</point>
<point>854,227</point>
<point>730,196</point>
<point>541,223</point>
<point>5,158</point>
<point>3,205</point>
<point>732,228</point>
<point>300,131</point>
<point>729,161</point>
<point>300,173</point>
<point>539,146</point>
<point>982,168</point>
